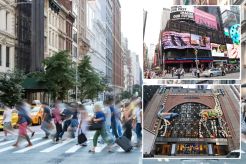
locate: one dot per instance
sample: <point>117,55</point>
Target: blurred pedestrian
<point>27,108</point>
<point>83,122</point>
<point>56,112</point>
<point>127,120</point>
<point>46,125</point>
<point>138,113</point>
<point>118,117</point>
<point>100,118</point>
<point>7,117</point>
<point>23,121</point>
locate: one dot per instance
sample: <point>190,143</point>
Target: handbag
<point>81,138</point>
<point>95,126</point>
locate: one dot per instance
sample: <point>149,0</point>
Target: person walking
<point>138,113</point>
<point>23,121</point>
<point>27,108</point>
<point>101,118</point>
<point>56,112</point>
<point>46,125</point>
<point>108,115</point>
<point>7,116</point>
<point>113,119</point>
<point>198,73</point>
<point>83,122</point>
<point>128,120</point>
<point>118,118</point>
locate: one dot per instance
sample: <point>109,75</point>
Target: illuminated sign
<point>205,19</point>
<point>172,39</point>
<point>182,13</point>
<point>233,50</point>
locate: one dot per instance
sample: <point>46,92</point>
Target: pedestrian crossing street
<point>67,146</point>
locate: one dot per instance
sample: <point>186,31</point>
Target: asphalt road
<point>44,151</point>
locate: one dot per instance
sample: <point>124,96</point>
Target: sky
<point>132,22</point>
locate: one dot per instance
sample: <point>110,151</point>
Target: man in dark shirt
<point>46,124</point>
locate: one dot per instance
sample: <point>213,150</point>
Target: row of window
<point>57,21</point>
<point>7,61</point>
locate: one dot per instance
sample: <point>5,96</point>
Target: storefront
<point>188,135</point>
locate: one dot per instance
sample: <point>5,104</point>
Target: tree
<point>90,83</point>
<point>11,90</point>
<point>125,95</point>
<point>59,74</point>
<point>137,88</point>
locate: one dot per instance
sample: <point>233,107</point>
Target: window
<point>6,20</point>
<point>0,54</point>
<point>7,56</point>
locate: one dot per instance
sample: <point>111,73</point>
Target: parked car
<point>13,120</point>
<point>212,72</point>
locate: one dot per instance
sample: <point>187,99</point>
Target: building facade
<point>243,41</point>
<point>118,76</point>
<point>7,35</point>
<point>23,36</point>
<point>96,33</point>
<point>207,123</point>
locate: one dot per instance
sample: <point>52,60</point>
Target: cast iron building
<point>207,121</point>
<point>23,32</point>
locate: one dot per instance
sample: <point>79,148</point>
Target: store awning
<point>31,83</point>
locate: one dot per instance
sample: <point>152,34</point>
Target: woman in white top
<point>7,126</point>
<point>138,113</point>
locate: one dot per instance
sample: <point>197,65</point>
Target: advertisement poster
<point>233,51</point>
<point>205,19</point>
<point>172,39</point>
<point>218,50</point>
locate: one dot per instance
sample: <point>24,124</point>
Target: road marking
<point>73,149</point>
<point>100,148</point>
<point>32,147</point>
<point>120,150</point>
<point>12,147</point>
<point>57,146</point>
<point>5,143</point>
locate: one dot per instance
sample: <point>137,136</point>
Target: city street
<point>44,151</point>
<point>65,152</point>
<point>228,76</point>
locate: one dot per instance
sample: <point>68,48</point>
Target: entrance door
<point>192,149</point>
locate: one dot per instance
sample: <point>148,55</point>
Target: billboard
<point>233,51</point>
<point>182,13</point>
<point>205,19</point>
<point>218,50</point>
<point>176,40</point>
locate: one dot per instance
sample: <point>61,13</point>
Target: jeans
<point>58,130</point>
<point>139,131</point>
<point>44,127</point>
<point>65,126</point>
<point>105,136</point>
<point>114,129</point>
<point>119,127</point>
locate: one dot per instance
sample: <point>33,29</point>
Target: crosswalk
<point>46,146</point>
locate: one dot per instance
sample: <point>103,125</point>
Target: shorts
<point>7,125</point>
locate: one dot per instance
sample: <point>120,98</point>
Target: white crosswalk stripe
<point>5,143</point>
<point>33,147</point>
<point>12,147</point>
<point>100,148</point>
<point>57,146</point>
<point>73,149</point>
